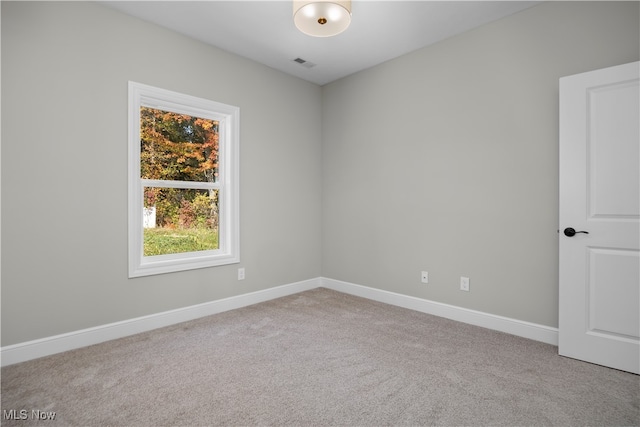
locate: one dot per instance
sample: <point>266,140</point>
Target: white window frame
<point>228,116</point>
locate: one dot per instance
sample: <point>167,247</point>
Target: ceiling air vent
<point>304,63</point>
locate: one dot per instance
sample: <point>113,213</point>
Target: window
<point>183,182</point>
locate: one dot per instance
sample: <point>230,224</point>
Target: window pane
<point>179,220</point>
<point>178,147</point>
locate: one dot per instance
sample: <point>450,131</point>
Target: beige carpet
<point>319,358</point>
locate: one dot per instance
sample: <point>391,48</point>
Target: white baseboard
<point>29,350</point>
<point>520,328</point>
<point>57,344</point>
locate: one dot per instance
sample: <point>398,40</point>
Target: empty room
<point>320,213</point>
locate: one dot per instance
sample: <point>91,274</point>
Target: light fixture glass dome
<point>322,18</point>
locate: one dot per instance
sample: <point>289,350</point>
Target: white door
<point>600,195</point>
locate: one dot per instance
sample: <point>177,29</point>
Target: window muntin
<point>183,182</point>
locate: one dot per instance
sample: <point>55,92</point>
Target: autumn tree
<point>178,147</point>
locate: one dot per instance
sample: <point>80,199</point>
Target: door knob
<point>570,232</point>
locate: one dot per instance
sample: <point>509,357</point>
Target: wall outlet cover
<point>424,278</point>
<point>464,284</point>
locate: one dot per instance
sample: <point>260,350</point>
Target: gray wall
<point>65,68</point>
<point>446,159</point>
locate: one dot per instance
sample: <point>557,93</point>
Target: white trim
<point>57,344</point>
<point>196,185</point>
<point>228,185</point>
<point>511,326</point>
<point>22,352</point>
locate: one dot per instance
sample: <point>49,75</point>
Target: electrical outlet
<point>241,273</point>
<point>464,284</point>
<point>425,277</point>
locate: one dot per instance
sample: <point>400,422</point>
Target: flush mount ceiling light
<point>322,18</point>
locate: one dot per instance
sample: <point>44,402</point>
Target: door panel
<point>599,318</point>
<point>612,127</point>
<point>613,304</point>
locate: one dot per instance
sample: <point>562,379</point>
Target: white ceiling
<point>264,31</point>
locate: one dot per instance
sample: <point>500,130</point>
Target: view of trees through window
<point>177,152</point>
